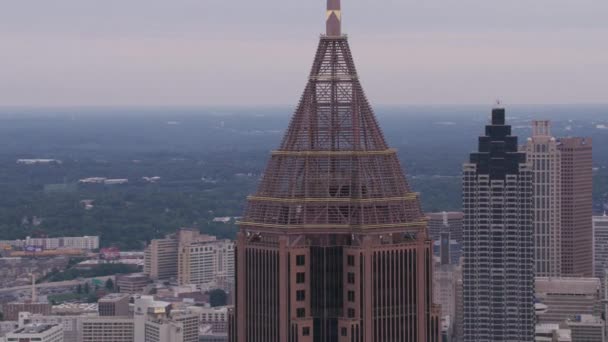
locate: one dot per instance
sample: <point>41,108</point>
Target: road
<point>66,283</point>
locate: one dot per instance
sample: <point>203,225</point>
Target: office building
<point>552,333</point>
<point>158,321</point>
<point>69,323</point>
<point>107,329</point>
<point>449,251</point>
<point>445,277</point>
<point>446,222</point>
<point>203,259</point>
<point>160,259</point>
<point>171,326</point>
<point>114,304</point>
<point>545,158</point>
<point>565,298</point>
<point>577,206</point>
<point>11,310</point>
<point>216,318</point>
<point>498,246</point>
<point>132,283</point>
<point>334,245</point>
<point>36,332</point>
<point>190,258</point>
<point>600,246</point>
<point>586,328</point>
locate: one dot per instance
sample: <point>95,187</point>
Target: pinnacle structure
<point>333,246</point>
<point>334,18</point>
<point>334,168</point>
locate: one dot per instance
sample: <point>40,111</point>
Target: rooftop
<point>34,329</point>
<point>114,297</point>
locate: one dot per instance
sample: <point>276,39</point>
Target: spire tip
<point>334,18</point>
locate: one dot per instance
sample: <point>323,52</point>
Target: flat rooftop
<point>113,297</point>
<point>34,329</point>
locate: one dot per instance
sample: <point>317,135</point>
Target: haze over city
<point>210,171</point>
<point>243,53</point>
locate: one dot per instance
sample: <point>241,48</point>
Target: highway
<point>66,283</point>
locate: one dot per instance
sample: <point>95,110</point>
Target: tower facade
<point>577,206</point>
<point>333,246</point>
<point>600,248</point>
<point>543,155</point>
<point>498,265</point>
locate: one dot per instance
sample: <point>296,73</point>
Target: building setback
<point>577,206</point>
<point>333,246</point>
<point>498,245</point>
<point>545,158</point>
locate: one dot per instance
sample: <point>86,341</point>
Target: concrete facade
<point>543,155</point>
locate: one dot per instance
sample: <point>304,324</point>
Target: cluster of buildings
<point>335,245</point>
<point>18,271</point>
<point>123,318</point>
<point>171,301</point>
<point>103,180</point>
<point>46,243</point>
<point>191,258</point>
<point>526,259</point>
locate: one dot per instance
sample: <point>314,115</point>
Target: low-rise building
<point>36,332</point>
<point>132,283</point>
<point>215,318</point>
<point>550,332</point>
<point>158,321</point>
<point>586,328</point>
<point>107,329</point>
<point>68,322</point>
<point>566,298</point>
<point>114,304</point>
<point>11,310</point>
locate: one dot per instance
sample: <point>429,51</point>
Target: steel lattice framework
<point>333,246</point>
<point>334,168</point>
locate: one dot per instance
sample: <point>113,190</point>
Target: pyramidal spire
<point>333,18</point>
<point>334,168</point>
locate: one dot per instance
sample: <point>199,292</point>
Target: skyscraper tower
<point>333,246</point>
<point>498,266</point>
<point>577,206</point>
<point>545,158</point>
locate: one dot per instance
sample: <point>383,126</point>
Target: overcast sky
<point>247,52</point>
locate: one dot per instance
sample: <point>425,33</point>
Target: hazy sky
<point>246,52</point>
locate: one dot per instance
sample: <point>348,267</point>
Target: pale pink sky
<point>244,52</point>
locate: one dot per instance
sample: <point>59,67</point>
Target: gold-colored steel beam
<point>333,226</point>
<point>411,196</point>
<point>333,153</point>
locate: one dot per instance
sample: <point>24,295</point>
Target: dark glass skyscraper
<point>498,245</point>
<point>333,246</point>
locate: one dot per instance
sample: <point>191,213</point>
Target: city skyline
<point>159,53</point>
<point>235,225</point>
